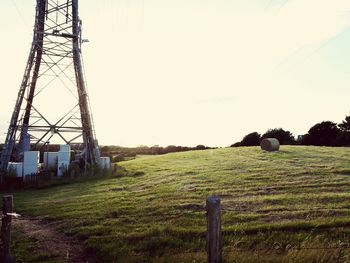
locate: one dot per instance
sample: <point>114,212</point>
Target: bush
<point>325,133</point>
<point>118,158</point>
<point>284,137</point>
<point>251,139</point>
<point>200,147</point>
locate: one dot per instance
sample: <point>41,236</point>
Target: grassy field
<point>287,206</point>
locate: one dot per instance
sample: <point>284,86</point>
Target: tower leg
<point>24,144</point>
<point>55,58</point>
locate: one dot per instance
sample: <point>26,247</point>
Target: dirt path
<point>52,242</point>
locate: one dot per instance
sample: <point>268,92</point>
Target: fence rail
<point>213,248</point>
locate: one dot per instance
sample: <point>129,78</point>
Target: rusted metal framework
<point>52,101</point>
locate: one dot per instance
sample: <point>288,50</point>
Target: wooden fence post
<point>7,207</point>
<point>213,230</point>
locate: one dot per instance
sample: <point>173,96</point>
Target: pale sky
<point>190,72</point>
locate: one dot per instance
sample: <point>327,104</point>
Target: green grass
<point>273,204</point>
<point>27,250</point>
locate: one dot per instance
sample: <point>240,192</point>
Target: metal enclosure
<point>54,66</point>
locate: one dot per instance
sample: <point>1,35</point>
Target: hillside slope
<point>273,205</point>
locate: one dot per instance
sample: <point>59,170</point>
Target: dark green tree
<point>251,139</point>
<point>345,125</point>
<point>325,133</point>
<point>344,136</point>
<point>284,137</point>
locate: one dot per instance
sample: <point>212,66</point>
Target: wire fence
<point>180,213</point>
<point>230,249</point>
<point>194,213</point>
<point>201,211</point>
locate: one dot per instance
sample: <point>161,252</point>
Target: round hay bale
<point>270,144</point>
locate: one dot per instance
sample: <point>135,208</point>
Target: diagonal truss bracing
<point>54,71</point>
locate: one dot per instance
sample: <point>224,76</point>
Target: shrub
<point>251,139</point>
<point>284,137</point>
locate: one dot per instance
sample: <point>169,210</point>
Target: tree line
<point>118,153</point>
<point>326,133</point>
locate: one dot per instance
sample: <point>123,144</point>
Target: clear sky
<point>190,72</point>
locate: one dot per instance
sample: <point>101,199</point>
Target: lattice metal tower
<point>52,100</point>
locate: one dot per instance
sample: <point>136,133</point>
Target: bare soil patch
<point>53,242</point>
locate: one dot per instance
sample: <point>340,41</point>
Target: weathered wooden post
<point>213,230</point>
<point>7,207</point>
